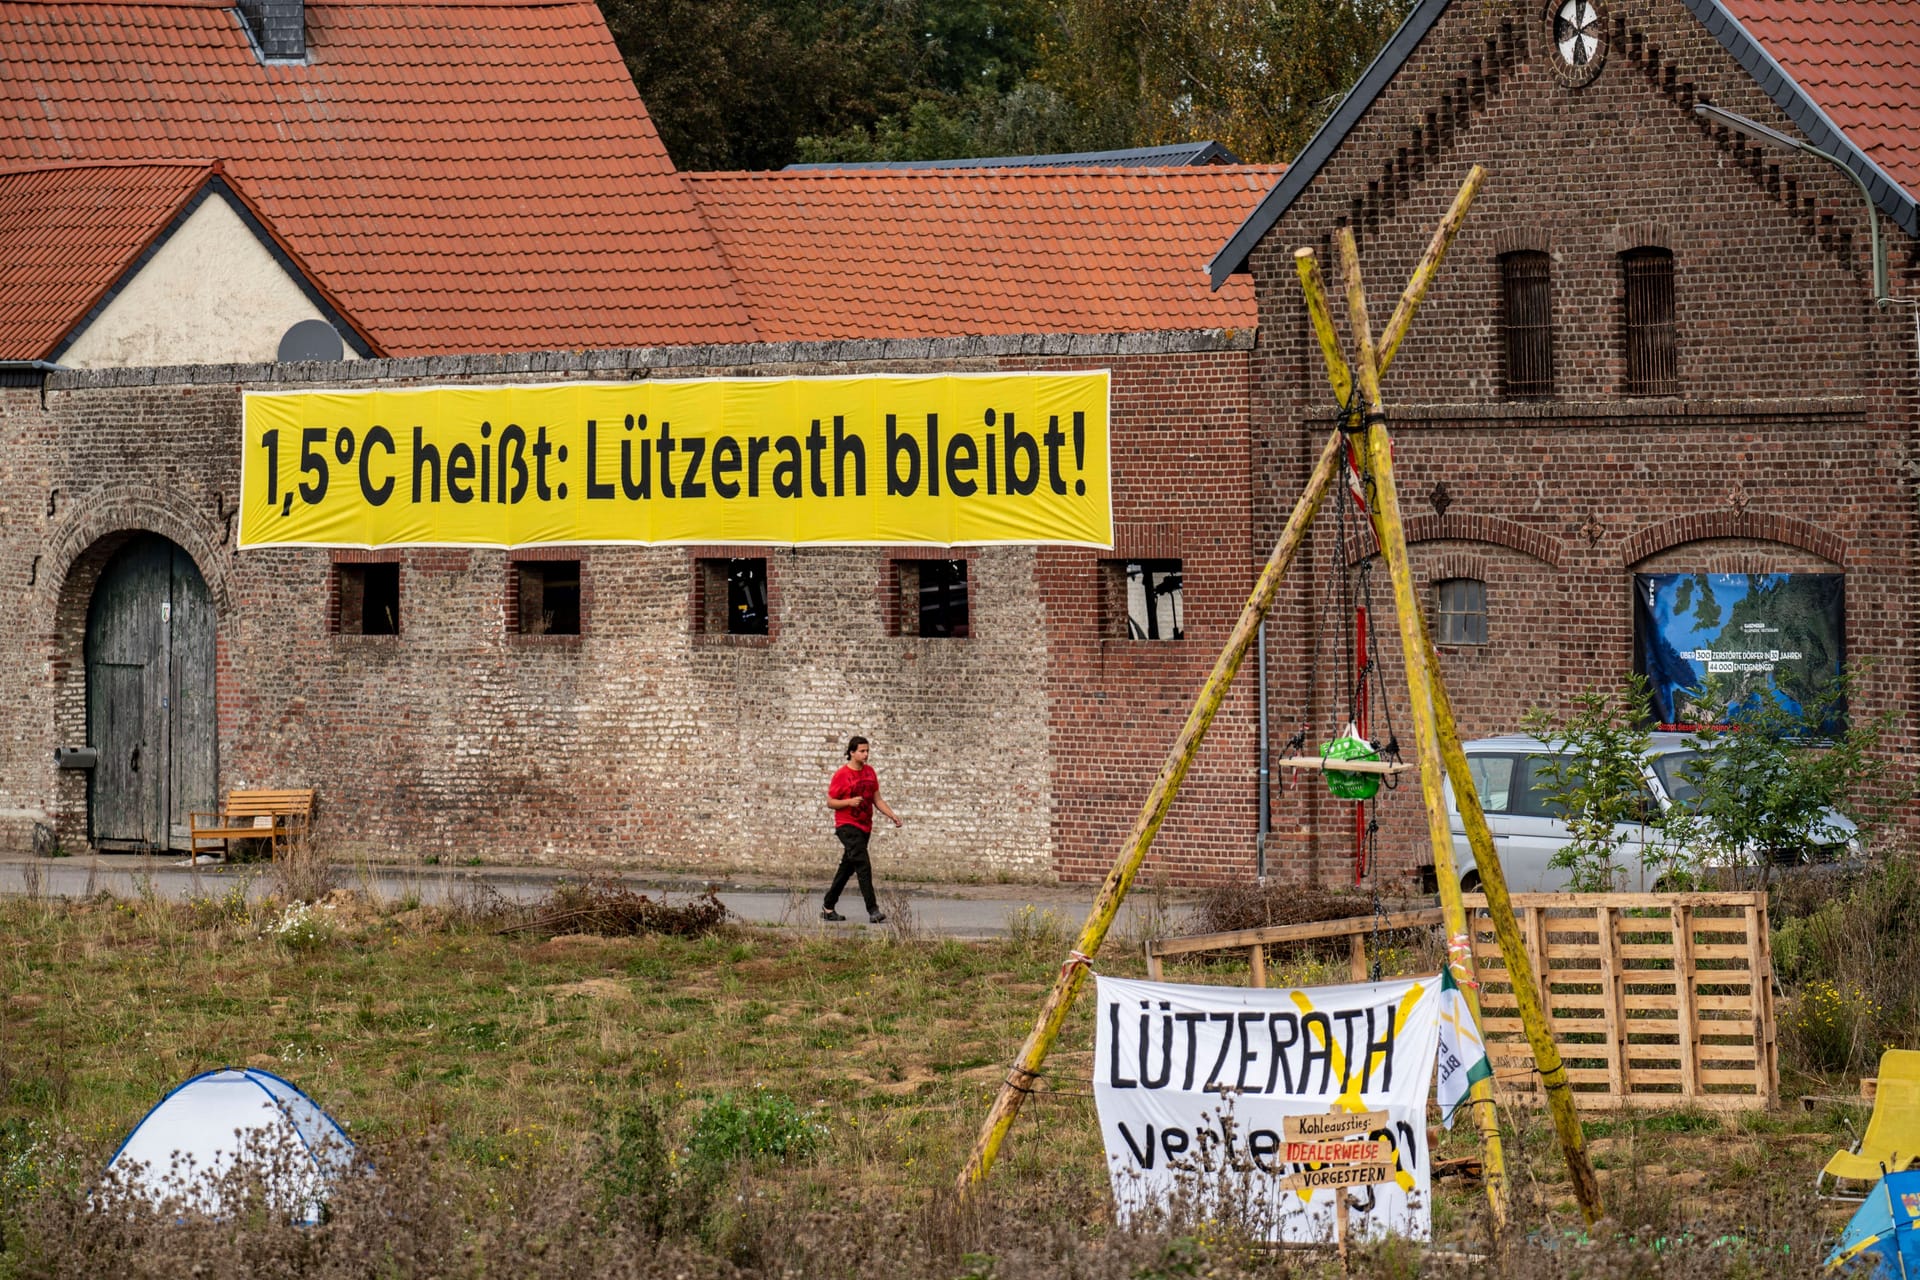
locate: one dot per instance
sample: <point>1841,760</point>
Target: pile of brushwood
<point>606,906</point>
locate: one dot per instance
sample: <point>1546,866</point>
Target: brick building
<point>581,704</point>
<point>1764,422</point>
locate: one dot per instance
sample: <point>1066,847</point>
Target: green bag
<point>1351,786</point>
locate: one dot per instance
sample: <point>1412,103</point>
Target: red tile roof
<point>476,176</point>
<point>902,253</point>
<point>67,233</point>
<point>1859,60</point>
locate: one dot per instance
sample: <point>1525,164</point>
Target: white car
<point>1509,775</point>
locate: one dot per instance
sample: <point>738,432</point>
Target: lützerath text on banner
<point>883,460</point>
<point>1194,1086</point>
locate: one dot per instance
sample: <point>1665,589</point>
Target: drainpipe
<point>1760,133</point>
<point>1266,769</point>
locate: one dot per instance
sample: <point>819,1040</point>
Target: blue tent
<point>196,1134</point>
<point>1884,1236</point>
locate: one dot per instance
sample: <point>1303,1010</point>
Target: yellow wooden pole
<point>1526,992</point>
<point>1426,693</point>
<point>1384,511</point>
<point>1066,988</point>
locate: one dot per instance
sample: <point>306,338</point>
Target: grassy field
<point>842,1076</point>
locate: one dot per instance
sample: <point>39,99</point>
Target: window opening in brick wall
<point>1652,363</point>
<point>1460,608</point>
<point>1155,608</point>
<point>369,599</point>
<point>547,595</point>
<point>735,595</point>
<point>939,590</point>
<point>1526,322</point>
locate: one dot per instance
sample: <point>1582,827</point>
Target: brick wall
<point>645,740</point>
<point>1789,447</point>
<point>1116,704</point>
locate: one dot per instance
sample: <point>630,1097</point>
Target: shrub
<point>760,1127</point>
<point>1255,906</point>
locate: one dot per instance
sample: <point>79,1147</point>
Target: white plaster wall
<point>212,294</point>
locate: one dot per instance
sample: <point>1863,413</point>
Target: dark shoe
<point>878,917</point>
<point>828,913</point>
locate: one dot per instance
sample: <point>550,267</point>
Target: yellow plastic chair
<point>1892,1140</point>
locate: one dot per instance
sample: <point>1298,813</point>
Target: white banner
<point>1194,1085</point>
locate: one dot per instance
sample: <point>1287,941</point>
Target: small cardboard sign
<point>1339,1175</point>
<point>1336,1152</point>
<point>1315,1126</point>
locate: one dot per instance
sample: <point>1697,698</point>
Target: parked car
<point>1510,776</point>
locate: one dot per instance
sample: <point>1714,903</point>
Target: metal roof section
<point>1814,123</point>
<point>1178,155</point>
<point>1753,57</point>
<point>1320,148</point>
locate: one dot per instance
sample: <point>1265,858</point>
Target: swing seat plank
<point>1324,765</point>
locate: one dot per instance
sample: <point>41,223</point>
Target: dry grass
<point>490,1075</point>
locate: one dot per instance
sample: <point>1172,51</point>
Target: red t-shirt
<point>862,782</point>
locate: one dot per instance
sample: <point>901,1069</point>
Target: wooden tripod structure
<point>1439,742</point>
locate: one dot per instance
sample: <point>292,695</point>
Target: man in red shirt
<point>853,795</point>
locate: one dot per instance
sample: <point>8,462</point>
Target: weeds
<point>1253,906</point>
<point>1847,958</point>
<point>637,1059</point>
<point>1037,930</point>
<point>759,1126</point>
<point>304,872</point>
<point>301,926</point>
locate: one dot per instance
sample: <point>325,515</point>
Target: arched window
<point>1652,366</point>
<point>1526,324</point>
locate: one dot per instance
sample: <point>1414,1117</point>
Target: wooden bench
<point>278,817</point>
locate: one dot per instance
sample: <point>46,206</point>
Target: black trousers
<point>853,862</point>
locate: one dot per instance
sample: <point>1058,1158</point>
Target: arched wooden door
<point>150,701</point>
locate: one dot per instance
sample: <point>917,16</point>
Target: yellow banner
<point>940,459</point>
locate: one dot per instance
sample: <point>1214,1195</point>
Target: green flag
<point>1463,1055</point>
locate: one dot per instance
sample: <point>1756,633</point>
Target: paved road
<point>964,911</point>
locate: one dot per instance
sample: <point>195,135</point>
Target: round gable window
<point>1577,32</point>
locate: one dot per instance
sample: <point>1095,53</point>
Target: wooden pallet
<point>1656,999</point>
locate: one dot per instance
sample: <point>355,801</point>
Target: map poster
<point>1715,646</point>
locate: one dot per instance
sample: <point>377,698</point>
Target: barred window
<point>1526,323</point>
<point>1460,611</point>
<point>1652,365</point>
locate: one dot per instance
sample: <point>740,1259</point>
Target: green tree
<point>736,84</point>
<point>1596,776</point>
<point>1763,792</point>
<point>1258,77</point>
